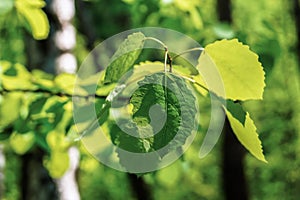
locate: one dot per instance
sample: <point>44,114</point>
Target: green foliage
<point>163,107</point>
<point>271,34</point>
<point>124,58</point>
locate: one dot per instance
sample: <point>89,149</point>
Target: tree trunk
<point>140,189</point>
<point>234,179</point>
<point>2,175</point>
<point>224,10</point>
<point>35,181</point>
<point>65,62</point>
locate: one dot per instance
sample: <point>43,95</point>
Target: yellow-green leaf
<point>10,108</point>
<point>37,19</point>
<point>15,77</point>
<point>21,143</point>
<point>57,164</point>
<point>65,82</point>
<point>247,135</point>
<point>241,72</point>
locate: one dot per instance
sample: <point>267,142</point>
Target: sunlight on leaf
<point>241,72</point>
<point>57,164</point>
<point>247,135</point>
<point>32,11</point>
<point>21,143</point>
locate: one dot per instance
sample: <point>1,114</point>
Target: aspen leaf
<point>240,71</point>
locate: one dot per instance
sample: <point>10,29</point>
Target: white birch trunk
<point>65,40</point>
<point>2,166</point>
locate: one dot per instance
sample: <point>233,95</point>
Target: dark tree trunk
<point>35,181</point>
<point>224,10</point>
<point>234,179</point>
<point>140,189</point>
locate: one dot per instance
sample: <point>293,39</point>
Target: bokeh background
<point>270,28</point>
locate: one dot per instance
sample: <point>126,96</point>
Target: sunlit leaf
<point>247,135</point>
<point>21,143</point>
<point>236,111</point>
<point>124,58</point>
<point>239,68</point>
<point>33,13</point>
<point>57,164</point>
<point>15,77</point>
<point>43,80</point>
<point>9,108</point>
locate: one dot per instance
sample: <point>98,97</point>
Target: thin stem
<point>203,87</point>
<point>158,41</point>
<point>165,63</point>
<point>195,82</point>
<point>168,58</point>
<point>4,91</point>
<point>170,62</point>
<point>189,50</point>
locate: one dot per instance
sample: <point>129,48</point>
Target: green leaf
<point>65,83</point>
<point>247,135</point>
<point>37,19</point>
<point>21,143</point>
<point>236,111</point>
<point>6,6</point>
<point>124,57</point>
<point>239,68</point>
<point>164,113</point>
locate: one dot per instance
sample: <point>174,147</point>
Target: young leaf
<point>247,135</point>
<point>37,19</point>
<point>124,57</point>
<point>239,68</point>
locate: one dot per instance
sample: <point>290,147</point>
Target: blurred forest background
<point>270,28</point>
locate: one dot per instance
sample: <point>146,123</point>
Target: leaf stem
<point>195,82</point>
<point>48,92</point>
<point>165,62</point>
<point>168,58</point>
<point>158,41</point>
<point>189,50</point>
